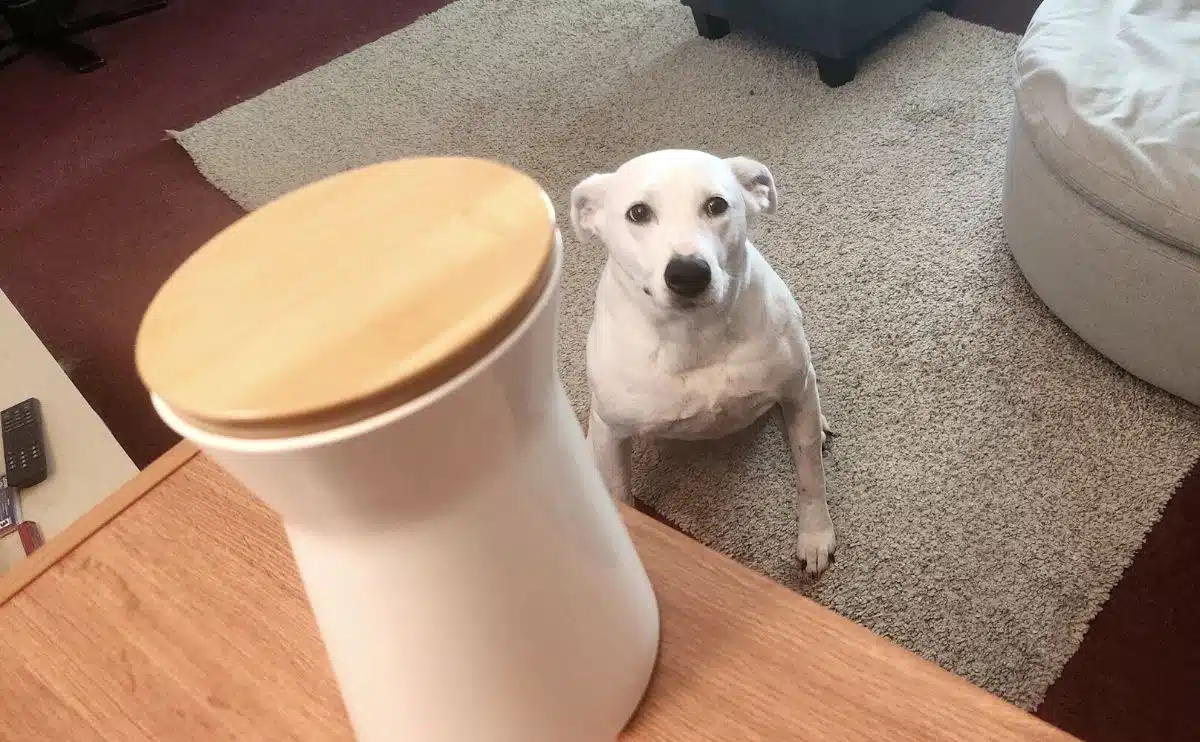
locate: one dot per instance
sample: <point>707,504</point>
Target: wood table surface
<point>173,611</point>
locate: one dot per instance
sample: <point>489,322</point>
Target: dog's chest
<point>720,404</point>
<point>709,401</point>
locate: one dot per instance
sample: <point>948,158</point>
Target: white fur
<point>701,368</point>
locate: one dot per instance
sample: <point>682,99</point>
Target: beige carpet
<point>994,475</point>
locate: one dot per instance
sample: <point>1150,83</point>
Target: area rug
<point>994,475</point>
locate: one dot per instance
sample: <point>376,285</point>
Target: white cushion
<point>1110,94</point>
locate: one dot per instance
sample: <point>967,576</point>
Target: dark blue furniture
<point>838,33</point>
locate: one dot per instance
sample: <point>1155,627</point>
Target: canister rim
<point>348,296</point>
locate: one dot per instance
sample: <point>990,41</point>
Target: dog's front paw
<point>827,435</point>
<point>816,545</point>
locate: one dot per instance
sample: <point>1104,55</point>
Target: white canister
<point>471,578</point>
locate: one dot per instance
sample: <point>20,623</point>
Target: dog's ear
<point>587,199</point>
<point>757,182</point>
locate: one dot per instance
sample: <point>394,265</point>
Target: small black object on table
<point>838,33</point>
<point>24,438</point>
<point>47,26</point>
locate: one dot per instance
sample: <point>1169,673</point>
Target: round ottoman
<point>1102,185</point>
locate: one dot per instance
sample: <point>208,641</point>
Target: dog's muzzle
<point>687,276</point>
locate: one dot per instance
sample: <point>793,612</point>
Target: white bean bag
<point>1102,190</point>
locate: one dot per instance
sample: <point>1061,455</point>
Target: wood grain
<point>183,619</point>
<point>27,570</point>
<point>359,291</point>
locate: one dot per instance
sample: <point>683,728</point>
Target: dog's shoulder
<point>770,302</point>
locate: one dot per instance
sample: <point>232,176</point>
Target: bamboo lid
<point>347,297</point>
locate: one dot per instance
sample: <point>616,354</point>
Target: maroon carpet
<point>97,207</point>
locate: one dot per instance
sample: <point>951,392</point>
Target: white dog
<point>694,335</point>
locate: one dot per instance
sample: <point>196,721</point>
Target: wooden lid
<point>348,296</point>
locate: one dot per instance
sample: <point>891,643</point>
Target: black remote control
<point>24,444</point>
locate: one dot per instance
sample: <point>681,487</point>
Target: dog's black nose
<point>687,276</point>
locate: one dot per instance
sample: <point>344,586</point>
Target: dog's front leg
<point>612,455</point>
<point>804,425</point>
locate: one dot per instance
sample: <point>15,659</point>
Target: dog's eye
<point>639,213</point>
<point>716,206</point>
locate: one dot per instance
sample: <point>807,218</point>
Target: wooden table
<point>173,611</point>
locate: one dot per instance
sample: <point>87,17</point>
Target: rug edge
<point>1189,479</point>
<point>183,139</point>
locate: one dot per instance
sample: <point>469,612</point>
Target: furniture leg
<point>109,17</point>
<point>710,26</point>
<point>37,26</point>
<point>73,54</point>
<point>836,71</point>
<point>11,52</point>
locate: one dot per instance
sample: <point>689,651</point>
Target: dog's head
<point>675,222</point>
